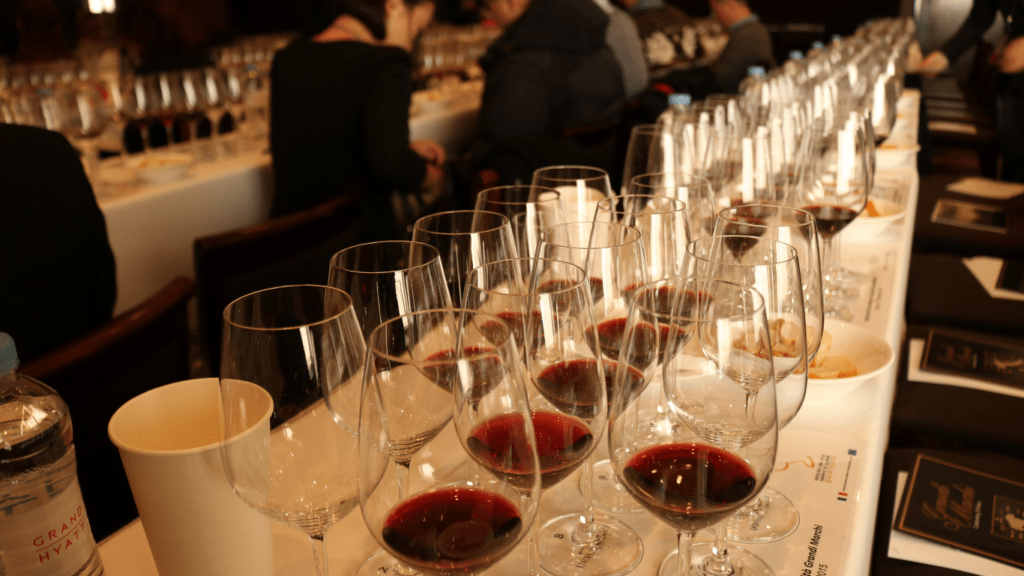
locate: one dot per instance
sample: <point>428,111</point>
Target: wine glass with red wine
<point>474,489</point>
<point>834,188</point>
<point>704,444</point>
<point>465,239</point>
<point>387,279</point>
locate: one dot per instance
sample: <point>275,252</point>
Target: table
<point>152,228</point>
<point>838,500</point>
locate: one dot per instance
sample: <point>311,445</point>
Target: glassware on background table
<point>389,279</point>
<point>465,239</point>
<point>696,192</point>
<point>580,186</point>
<point>773,269</point>
<point>475,488</point>
<point>303,345</point>
<point>213,95</point>
<point>530,209</point>
<point>612,256</point>
<point>695,451</point>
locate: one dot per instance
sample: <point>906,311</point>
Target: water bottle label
<point>45,533</point>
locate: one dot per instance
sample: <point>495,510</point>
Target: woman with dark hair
<point>340,113</point>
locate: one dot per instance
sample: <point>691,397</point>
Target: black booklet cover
<point>966,508</point>
<point>973,357</point>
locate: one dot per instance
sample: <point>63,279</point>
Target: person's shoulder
<point>15,138</point>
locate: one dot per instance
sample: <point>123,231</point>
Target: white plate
<point>854,350</point>
<point>161,167</point>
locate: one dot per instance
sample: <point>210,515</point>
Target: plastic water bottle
<point>43,526</point>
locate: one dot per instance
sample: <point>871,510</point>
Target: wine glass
<point>834,189</point>
<point>170,100</point>
<point>703,445</point>
<point>530,209</point>
<point>580,187</point>
<point>388,279</point>
<point>77,111</point>
<point>612,256</point>
<point>651,149</point>
<point>476,487</point>
<point>696,192</point>
<point>662,223</point>
<point>465,239</point>
<point>213,95</point>
<point>303,345</point>
<point>773,269</point>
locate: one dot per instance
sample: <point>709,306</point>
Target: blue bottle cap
<point>679,99</point>
<point>796,55</point>
<point>756,71</point>
<point>8,354</point>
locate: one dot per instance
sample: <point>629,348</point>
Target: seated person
<point>340,113</point>
<point>624,39</point>
<point>549,72</point>
<point>663,31</point>
<point>59,279</point>
<point>749,44</point>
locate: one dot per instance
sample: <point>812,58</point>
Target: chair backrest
<point>293,249</point>
<point>141,349</point>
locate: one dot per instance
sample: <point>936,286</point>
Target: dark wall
<point>839,17</point>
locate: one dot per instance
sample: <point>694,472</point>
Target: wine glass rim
<point>336,265</point>
<point>808,217</point>
<point>506,337</point>
<point>453,214</point>
<point>595,173</point>
<point>575,283</point>
<point>631,230</point>
<point>680,282</point>
<point>504,202</point>
<point>346,299</point>
<point>680,206</point>
<point>697,181</point>
<point>790,253</point>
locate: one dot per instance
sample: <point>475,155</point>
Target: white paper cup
<point>169,440</point>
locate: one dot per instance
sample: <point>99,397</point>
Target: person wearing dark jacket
<point>58,279</point>
<point>1010,104</point>
<point>340,114</point>
<point>549,72</point>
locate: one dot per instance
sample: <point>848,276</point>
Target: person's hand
<point>432,188</point>
<point>935,63</point>
<point>1011,61</point>
<point>429,150</point>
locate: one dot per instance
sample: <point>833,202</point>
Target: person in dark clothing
<point>58,279</point>
<point>1010,104</point>
<point>549,72</point>
<point>340,115</point>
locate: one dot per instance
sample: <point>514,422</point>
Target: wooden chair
<point>141,349</point>
<point>293,249</point>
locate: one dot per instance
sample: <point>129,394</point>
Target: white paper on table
<point>821,474</point>
<point>985,188</point>
<point>944,126</point>
<point>903,546</point>
<point>878,262</point>
<point>986,272</point>
<point>914,373</point>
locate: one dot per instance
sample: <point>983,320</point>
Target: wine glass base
<point>618,552</point>
<point>380,563</point>
<point>608,493</point>
<point>743,563</point>
<point>773,521</point>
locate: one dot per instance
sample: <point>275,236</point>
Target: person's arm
<point>624,38</point>
<point>386,111</point>
<point>982,13</point>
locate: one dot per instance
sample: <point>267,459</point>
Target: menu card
<point>965,508</point>
<point>972,357</point>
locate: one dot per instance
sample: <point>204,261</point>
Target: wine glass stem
<point>588,532</point>
<point>717,564</point>
<point>684,547</point>
<point>319,554</point>
<point>534,558</point>
<point>828,261</point>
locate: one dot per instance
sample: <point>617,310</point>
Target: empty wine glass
<point>474,490</point>
<point>303,345</point>
<point>694,191</point>
<point>663,227</point>
<point>580,187</point>
<point>695,451</point>
<point>465,239</point>
<point>530,209</point>
<point>651,149</point>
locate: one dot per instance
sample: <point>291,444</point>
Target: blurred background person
<point>550,74</point>
<point>624,39</point>
<point>340,99</point>
<point>1010,61</point>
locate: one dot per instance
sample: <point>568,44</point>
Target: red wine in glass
<point>488,370</point>
<point>634,382</point>
<point>572,386</point>
<point>610,334</point>
<point>563,443</point>
<point>453,529</point>
<point>831,219</point>
<point>689,485</point>
<point>737,234</point>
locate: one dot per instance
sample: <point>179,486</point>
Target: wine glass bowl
<point>580,188</point>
